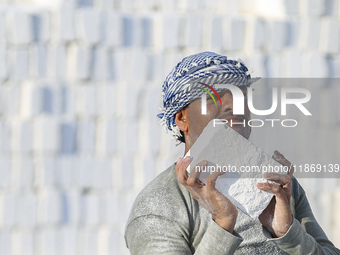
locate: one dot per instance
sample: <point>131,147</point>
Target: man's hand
<point>223,211</point>
<point>277,217</point>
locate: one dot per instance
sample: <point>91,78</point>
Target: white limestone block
<point>5,172</point>
<point>10,99</point>
<point>167,31</point>
<point>88,25</point>
<point>189,5</point>
<point>139,66</point>
<point>314,65</point>
<point>114,244</point>
<point>38,61</point>
<point>127,137</point>
<point>149,136</point>
<point>233,33</point>
<point>85,167</point>
<point>67,237</point>
<point>274,9</point>
<point>293,32</point>
<point>101,64</point>
<point>22,242</point>
<point>19,61</point>
<point>64,20</point>
<point>3,64</point>
<point>90,210</point>
<point>50,207</point>
<point>113,29</point>
<point>291,62</point>
<point>56,62</point>
<point>149,4</point>
<point>47,241</point>
<point>157,69</point>
<point>79,62</point>
<point>45,171</point>
<point>41,26</point>
<point>292,7</point>
<point>67,99</point>
<point>86,136</point>
<point>123,172</point>
<point>222,146</point>
<point>146,170</point>
<point>127,5</point>
<point>118,60</point>
<point>22,172</point>
<point>106,101</point>
<point>71,203</point>
<point>5,242</point>
<point>87,241</point>
<point>86,100</point>
<point>8,210</point>
<point>103,177</point>
<point>26,210</point>
<point>5,137</point>
<point>127,101</point>
<point>65,174</point>
<point>20,27</point>
<point>46,134</point>
<point>330,36</point>
<point>129,23</point>
<point>145,26</point>
<point>256,62</point>
<point>192,35</point>
<point>106,137</point>
<point>312,7</point>
<point>336,208</point>
<point>3,37</point>
<point>278,38</point>
<point>216,33</point>
<point>103,240</point>
<point>110,205</point>
<point>309,34</point>
<point>105,4</point>
<point>273,66</point>
<point>68,133</point>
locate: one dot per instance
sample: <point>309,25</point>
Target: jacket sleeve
<point>146,235</point>
<point>305,236</point>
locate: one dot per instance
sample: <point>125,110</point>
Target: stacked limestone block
<point>80,85</point>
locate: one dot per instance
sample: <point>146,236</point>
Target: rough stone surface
<point>222,146</point>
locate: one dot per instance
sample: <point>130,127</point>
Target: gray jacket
<point>166,219</point>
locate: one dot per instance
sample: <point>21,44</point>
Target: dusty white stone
<point>309,34</point>
<point>233,33</point>
<point>38,61</point>
<point>88,25</point>
<point>330,36</point>
<point>19,27</point>
<point>21,136</point>
<point>3,63</point>
<point>222,146</point>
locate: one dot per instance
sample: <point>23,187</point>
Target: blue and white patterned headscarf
<point>206,67</point>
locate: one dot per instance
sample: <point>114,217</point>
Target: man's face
<point>198,121</point>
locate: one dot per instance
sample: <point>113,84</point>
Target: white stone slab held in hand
<point>222,146</point>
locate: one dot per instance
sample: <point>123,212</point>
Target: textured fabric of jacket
<point>166,219</point>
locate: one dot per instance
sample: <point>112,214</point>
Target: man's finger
<point>283,161</point>
<point>180,168</point>
<point>283,179</point>
<point>195,174</point>
<point>273,188</point>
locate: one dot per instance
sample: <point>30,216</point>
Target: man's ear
<point>182,120</point>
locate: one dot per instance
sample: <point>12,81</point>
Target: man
<point>177,214</point>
